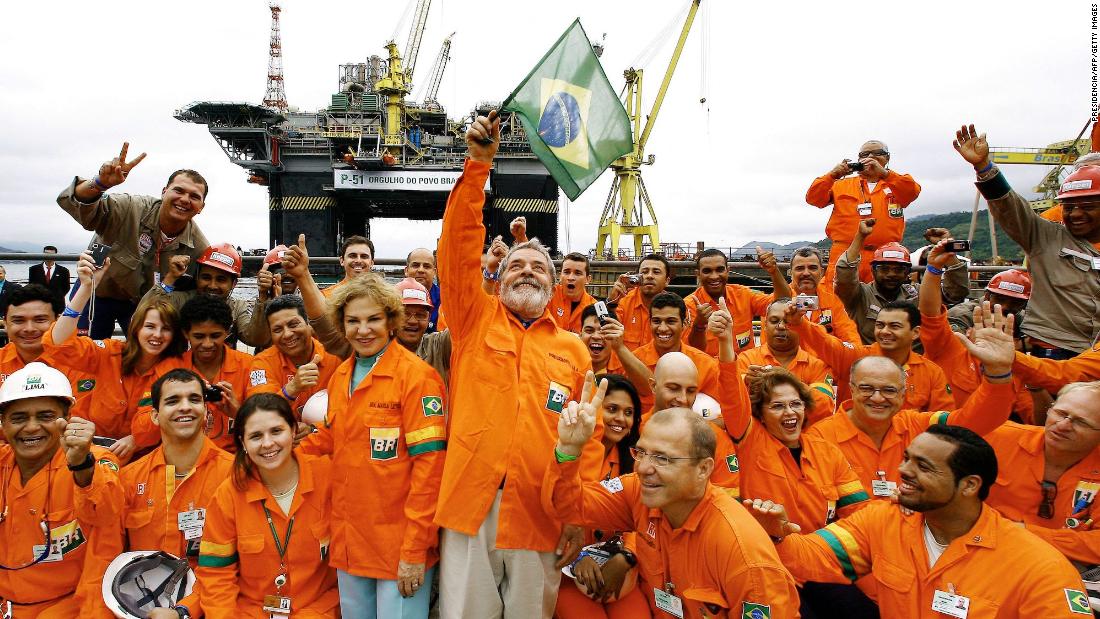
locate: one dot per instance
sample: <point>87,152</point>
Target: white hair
<point>536,245</point>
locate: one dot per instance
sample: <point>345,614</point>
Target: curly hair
<point>373,287</point>
<point>762,388</point>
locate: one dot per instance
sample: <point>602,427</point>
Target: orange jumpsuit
<point>508,385</point>
<point>808,368</point>
<point>154,499</point>
<point>1053,374</point>
<point>564,313</point>
<point>1005,572</point>
<point>397,410</point>
<point>888,201</point>
<point>82,382</point>
<point>1018,492</point>
<point>986,410</point>
<point>816,491</point>
<point>271,370</point>
<point>743,303</point>
<point>926,386</point>
<point>945,350</point>
<point>238,558</point>
<point>833,316</point>
<point>706,364</point>
<point>235,371</point>
<point>719,562</point>
<point>85,534</point>
<point>634,314</point>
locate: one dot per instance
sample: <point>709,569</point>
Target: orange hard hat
<point>1012,283</point>
<point>1082,183</point>
<point>413,292</point>
<point>891,252</point>
<point>275,256</point>
<point>222,256</point>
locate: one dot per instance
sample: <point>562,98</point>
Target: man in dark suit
<point>52,276</point>
<point>6,288</point>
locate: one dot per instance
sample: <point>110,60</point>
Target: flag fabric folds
<point>574,120</point>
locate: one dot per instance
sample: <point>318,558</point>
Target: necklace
<point>284,494</point>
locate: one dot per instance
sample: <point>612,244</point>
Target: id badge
<point>668,603</point>
<point>883,488</point>
<point>277,605</point>
<point>5,610</point>
<point>950,604</point>
<point>195,518</point>
<point>864,210</point>
<point>1096,264</point>
<point>54,556</point>
<point>191,533</point>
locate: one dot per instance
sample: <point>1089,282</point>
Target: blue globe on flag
<point>560,123</point>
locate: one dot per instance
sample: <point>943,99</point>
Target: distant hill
<point>959,225</point>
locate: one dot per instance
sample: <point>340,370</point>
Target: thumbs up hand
<point>308,375</point>
<point>721,322</point>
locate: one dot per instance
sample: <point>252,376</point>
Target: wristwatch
<point>88,463</point>
<point>182,611</point>
<point>631,560</point>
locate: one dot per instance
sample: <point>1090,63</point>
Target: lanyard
<point>45,522</point>
<point>283,545</point>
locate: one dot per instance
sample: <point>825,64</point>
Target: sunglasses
<point>1046,507</point>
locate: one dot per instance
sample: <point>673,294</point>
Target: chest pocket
<point>708,602</point>
<point>1070,271</point>
<point>250,544</point>
<point>894,578</point>
<point>497,368</point>
<point>137,520</point>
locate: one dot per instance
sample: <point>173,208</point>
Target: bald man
<point>420,265</point>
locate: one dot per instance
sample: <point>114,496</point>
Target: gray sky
<point>791,89</point>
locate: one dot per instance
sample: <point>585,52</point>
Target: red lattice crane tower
<point>275,96</point>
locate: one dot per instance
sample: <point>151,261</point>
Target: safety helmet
<point>413,292</point>
<point>137,582</point>
<point>222,256</point>
<point>1012,283</point>
<point>601,556</point>
<point>891,252</point>
<point>706,406</point>
<point>35,380</point>
<point>1082,183</point>
<point>275,256</point>
<point>316,407</point>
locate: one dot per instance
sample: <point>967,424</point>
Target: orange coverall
<point>719,562</point>
<point>808,368</point>
<point>1053,374</point>
<point>888,201</point>
<point>926,386</point>
<point>1018,492</point>
<point>706,364</point>
<point>833,316</point>
<point>235,371</point>
<point>743,303</point>
<point>84,529</point>
<point>82,383</point>
<point>238,558</point>
<point>271,370</point>
<point>1005,572</point>
<point>985,411</point>
<point>388,439</point>
<point>564,314</point>
<point>508,385</point>
<point>634,314</point>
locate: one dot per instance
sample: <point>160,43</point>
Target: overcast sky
<point>791,88</point>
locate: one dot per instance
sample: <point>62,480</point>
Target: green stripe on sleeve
<point>838,550</point>
<point>216,561</point>
<point>851,499</point>
<point>427,447</point>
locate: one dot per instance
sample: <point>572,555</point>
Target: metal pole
<point>974,216</point>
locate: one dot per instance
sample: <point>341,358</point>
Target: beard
<point>525,300</point>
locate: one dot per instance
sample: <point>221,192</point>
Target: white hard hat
<point>316,407</point>
<point>707,406</point>
<point>601,556</point>
<point>35,380</point>
<point>137,582</point>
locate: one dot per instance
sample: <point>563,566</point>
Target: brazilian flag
<point>574,120</point>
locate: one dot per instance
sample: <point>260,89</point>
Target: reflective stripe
<point>427,447</point>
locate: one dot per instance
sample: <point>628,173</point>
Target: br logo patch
<point>556,397</point>
<point>432,405</point>
<point>383,443</point>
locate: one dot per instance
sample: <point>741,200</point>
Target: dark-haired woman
<point>595,590</point>
<point>265,545</point>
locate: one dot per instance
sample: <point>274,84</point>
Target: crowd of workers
<point>487,439</point>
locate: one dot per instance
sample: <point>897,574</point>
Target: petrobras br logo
<point>383,443</point>
<point>556,397</point>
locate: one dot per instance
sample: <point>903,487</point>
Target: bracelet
<point>988,167</point>
<point>182,611</point>
<point>485,274</point>
<point>998,376</point>
<point>285,394</point>
<point>167,287</point>
<point>99,185</point>
<point>933,270</point>
<point>562,458</point>
<point>88,463</point>
<point>70,313</point>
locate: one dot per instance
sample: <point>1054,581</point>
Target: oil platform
<point>372,152</point>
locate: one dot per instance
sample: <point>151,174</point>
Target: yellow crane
<point>628,201</point>
<point>397,82</point>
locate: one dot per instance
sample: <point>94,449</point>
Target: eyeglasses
<point>659,460</point>
<point>881,152</point>
<point>1078,423</point>
<point>795,405</point>
<point>868,391</point>
<point>1087,207</point>
<point>1050,492</point>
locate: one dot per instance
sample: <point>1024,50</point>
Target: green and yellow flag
<point>574,120</point>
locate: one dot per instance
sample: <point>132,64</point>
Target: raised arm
<point>766,260</point>
<point>88,276</point>
<point>635,370</point>
<point>820,193</point>
<point>836,354</point>
<point>847,267</point>
<point>1011,211</point>
<point>84,199</point>
<point>733,396</point>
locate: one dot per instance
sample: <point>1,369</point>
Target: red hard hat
<point>222,256</point>
<point>1011,283</point>
<point>413,292</point>
<point>1082,183</point>
<point>891,252</point>
<point>275,256</point>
